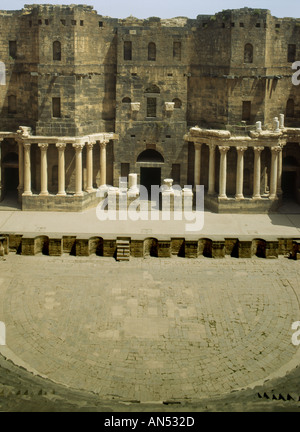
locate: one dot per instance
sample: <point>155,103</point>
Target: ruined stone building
<point>86,99</point>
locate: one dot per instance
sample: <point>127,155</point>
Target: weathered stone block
<point>82,247</point>
<point>15,243</point>
<point>272,249</point>
<point>164,249</point>
<point>218,249</point>
<point>245,249</point>
<point>191,249</point>
<point>285,246</point>
<point>137,248</point>
<point>55,247</point>
<point>28,246</point>
<point>109,248</point>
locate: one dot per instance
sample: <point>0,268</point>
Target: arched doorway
<point>290,178</point>
<point>10,175</point>
<point>150,162</point>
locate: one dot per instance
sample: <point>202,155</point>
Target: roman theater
<point>121,314</point>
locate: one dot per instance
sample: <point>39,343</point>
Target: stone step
<point>123,250</point>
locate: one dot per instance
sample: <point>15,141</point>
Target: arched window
<point>290,108</point>
<point>152,89</point>
<point>2,74</point>
<point>177,103</point>
<point>152,51</point>
<point>12,104</point>
<point>150,156</point>
<point>248,53</point>
<point>126,100</point>
<point>57,51</point>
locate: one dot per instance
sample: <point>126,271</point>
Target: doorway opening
<point>149,177</point>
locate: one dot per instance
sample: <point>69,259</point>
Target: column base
<point>256,198</point>
<point>61,194</point>
<point>239,197</point>
<point>90,190</point>
<point>272,197</point>
<point>27,194</point>
<point>223,197</point>
<point>44,194</point>
<point>79,194</point>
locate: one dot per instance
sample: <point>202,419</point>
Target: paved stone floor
<point>151,329</point>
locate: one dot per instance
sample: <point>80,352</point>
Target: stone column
<point>103,145</point>
<point>21,168</point>
<point>257,172</point>
<point>240,173</point>
<point>27,170</point>
<point>279,180</point>
<point>223,171</point>
<point>89,167</point>
<point>212,169</point>
<point>274,172</point>
<point>197,173</point>
<point>61,169</point>
<point>78,150</point>
<point>44,170</point>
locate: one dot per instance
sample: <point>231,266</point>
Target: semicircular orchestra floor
<point>151,329</point>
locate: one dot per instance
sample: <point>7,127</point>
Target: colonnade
<point>25,167</point>
<point>275,178</point>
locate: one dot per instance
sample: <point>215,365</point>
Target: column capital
<point>212,146</point>
<point>26,145</point>
<point>43,146</point>
<point>61,146</point>
<point>258,149</point>
<point>90,145</point>
<point>103,144</point>
<point>276,149</point>
<point>224,149</point>
<point>78,147</point>
<point>241,149</point>
<point>198,144</point>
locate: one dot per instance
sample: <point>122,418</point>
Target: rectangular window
<point>151,107</point>
<point>176,173</point>
<point>56,107</point>
<point>127,50</point>
<point>291,53</point>
<point>246,114</point>
<point>177,51</point>
<point>13,49</point>
<point>12,104</point>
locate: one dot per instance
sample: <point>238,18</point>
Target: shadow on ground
<point>20,391</point>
